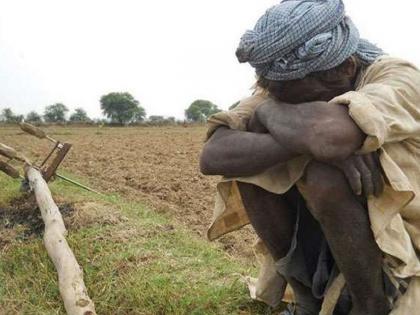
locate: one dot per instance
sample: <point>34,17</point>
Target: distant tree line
<point>119,108</point>
<point>55,113</point>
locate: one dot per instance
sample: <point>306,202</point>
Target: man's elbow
<point>207,162</point>
<point>205,166</point>
<point>211,156</point>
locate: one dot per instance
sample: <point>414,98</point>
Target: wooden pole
<point>70,274</point>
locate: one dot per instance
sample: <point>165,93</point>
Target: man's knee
<point>323,187</point>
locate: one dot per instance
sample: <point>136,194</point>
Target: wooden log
<point>35,131</point>
<point>70,275</point>
<point>12,154</point>
<point>32,130</point>
<point>9,170</point>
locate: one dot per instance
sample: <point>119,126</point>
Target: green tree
<point>9,117</point>
<point>140,114</point>
<point>234,105</point>
<point>6,114</point>
<point>171,120</point>
<point>156,118</point>
<point>200,110</point>
<point>33,117</point>
<point>79,115</point>
<point>55,113</point>
<point>122,108</point>
<point>161,120</point>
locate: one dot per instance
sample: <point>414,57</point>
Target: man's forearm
<point>239,153</point>
<point>325,131</point>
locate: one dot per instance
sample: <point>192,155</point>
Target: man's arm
<point>240,153</point>
<point>322,130</point>
<point>329,134</point>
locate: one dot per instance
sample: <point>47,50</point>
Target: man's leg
<point>271,217</point>
<point>345,223</point>
<point>274,218</point>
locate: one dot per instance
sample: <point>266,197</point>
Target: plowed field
<point>155,165</point>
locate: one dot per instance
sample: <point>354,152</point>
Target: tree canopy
<point>79,115</point>
<point>155,118</point>
<point>55,113</point>
<point>122,108</point>
<point>9,117</point>
<point>200,110</point>
<point>33,117</point>
<point>140,114</point>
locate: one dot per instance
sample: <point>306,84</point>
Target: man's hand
<point>363,173</point>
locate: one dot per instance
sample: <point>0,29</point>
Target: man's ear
<point>349,67</point>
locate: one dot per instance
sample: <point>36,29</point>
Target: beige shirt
<point>386,106</point>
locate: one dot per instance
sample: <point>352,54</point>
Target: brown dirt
<point>154,165</point>
<point>22,219</point>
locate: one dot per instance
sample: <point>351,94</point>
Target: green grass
<point>141,264</point>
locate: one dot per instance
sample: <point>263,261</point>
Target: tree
<point>234,105</point>
<point>161,120</point>
<point>33,117</point>
<point>156,118</point>
<point>79,115</point>
<point>139,115</point>
<point>200,110</point>
<point>6,114</point>
<point>122,108</point>
<point>9,117</point>
<point>55,113</point>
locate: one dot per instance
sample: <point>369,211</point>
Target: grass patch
<point>9,190</point>
<point>135,262</point>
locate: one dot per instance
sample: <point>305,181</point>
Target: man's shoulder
<point>387,69</point>
<point>257,98</point>
<point>387,62</point>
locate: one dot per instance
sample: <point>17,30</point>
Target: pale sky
<point>165,53</point>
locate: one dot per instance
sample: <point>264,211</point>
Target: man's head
<point>308,47</point>
<point>317,86</point>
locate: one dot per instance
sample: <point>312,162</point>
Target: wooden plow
<point>70,275</point>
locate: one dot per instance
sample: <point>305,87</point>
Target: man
<point>303,160</point>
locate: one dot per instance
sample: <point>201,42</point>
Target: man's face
<point>312,89</point>
<point>322,86</point>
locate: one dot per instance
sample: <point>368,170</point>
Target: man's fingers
<point>366,174</point>
<point>354,179</point>
<point>373,163</point>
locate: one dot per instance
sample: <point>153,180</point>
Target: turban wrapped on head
<point>299,37</point>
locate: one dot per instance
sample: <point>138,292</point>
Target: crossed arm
<point>318,129</point>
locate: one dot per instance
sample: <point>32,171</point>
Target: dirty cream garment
<point>386,106</point>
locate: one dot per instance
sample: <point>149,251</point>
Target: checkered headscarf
<point>298,37</point>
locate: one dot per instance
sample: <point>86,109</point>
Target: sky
<point>165,53</point>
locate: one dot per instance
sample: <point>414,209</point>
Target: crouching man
<point>324,162</point>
